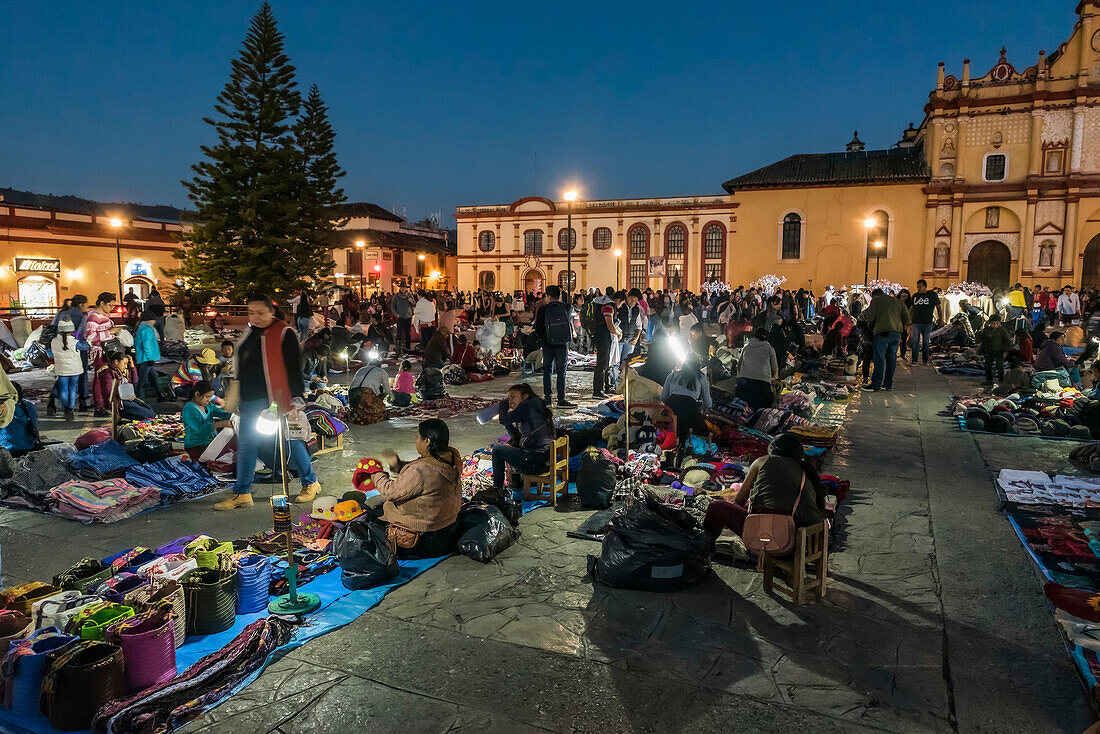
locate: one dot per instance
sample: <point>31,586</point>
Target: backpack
<point>556,324</point>
<point>590,317</point>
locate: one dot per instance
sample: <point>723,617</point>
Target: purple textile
<point>176,546</point>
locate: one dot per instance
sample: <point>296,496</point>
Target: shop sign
<point>37,265</point>
<point>139,268</point>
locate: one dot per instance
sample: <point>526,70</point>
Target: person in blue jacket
<point>20,436</point>
<point>147,347</point>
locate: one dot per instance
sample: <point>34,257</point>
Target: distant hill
<point>87,206</point>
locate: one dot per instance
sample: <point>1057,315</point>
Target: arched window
<point>567,281</point>
<point>639,243</point>
<point>943,250</point>
<point>878,234</point>
<point>792,237</point>
<point>487,241</point>
<point>675,276</point>
<point>1046,254</point>
<point>567,239</point>
<point>712,242</point>
<point>532,242</point>
<point>675,238</point>
<point>601,238</point>
<point>487,280</point>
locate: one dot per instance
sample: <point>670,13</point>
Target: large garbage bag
<point>502,500</point>
<point>652,547</point>
<point>364,554</point>
<point>484,532</point>
<point>429,384</point>
<point>595,481</point>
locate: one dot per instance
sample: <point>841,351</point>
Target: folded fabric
<point>176,480</point>
<point>105,501</point>
<point>36,474</point>
<point>102,461</point>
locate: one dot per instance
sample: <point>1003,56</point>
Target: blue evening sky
<point>438,104</point>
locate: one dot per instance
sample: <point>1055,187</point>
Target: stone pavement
<point>934,620</point>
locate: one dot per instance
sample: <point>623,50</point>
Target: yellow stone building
<point>999,183</point>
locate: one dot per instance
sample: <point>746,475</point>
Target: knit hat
<point>1055,427</point>
<point>1026,426</point>
<point>66,326</point>
<point>977,419</point>
<point>363,476</point>
<point>1080,432</point>
<point>998,423</point>
<point>695,477</point>
<point>207,356</point>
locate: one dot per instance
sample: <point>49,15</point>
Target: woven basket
<point>28,668</point>
<point>21,598</point>
<point>79,681</point>
<point>211,600</point>
<point>125,587</point>
<point>60,608</point>
<point>92,624</point>
<point>166,593</point>
<point>83,575</point>
<point>148,648</point>
<point>253,579</point>
<point>207,552</point>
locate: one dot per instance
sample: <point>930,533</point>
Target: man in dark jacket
<point>994,341</point>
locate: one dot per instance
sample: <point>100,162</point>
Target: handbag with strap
<point>401,537</point>
<point>767,533</point>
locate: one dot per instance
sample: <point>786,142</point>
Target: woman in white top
<point>66,365</point>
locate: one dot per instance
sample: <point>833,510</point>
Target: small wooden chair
<point>811,552</point>
<point>555,480</point>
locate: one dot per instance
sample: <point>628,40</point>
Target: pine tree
<point>247,235</point>
<point>319,192</point>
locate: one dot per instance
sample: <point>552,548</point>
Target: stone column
<point>1035,161</point>
<point>929,242</point>
<point>1069,240</point>
<point>1078,144</point>
<point>956,240</point>
<point>1027,240</point>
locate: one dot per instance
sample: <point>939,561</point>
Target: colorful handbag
<point>211,600</point>
<point>14,626</point>
<point>79,681</point>
<point>253,579</point>
<point>20,598</point>
<point>172,568</point>
<point>60,608</point>
<point>148,647</point>
<point>162,592</point>
<point>94,622</point>
<point>206,551</point>
<point>25,666</point>
<point>124,588</point>
<point>83,575</point>
<point>132,560</point>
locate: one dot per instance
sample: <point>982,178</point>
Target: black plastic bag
<point>148,450</point>
<point>502,500</point>
<point>652,547</point>
<point>484,532</point>
<point>364,554</point>
<point>595,481</point>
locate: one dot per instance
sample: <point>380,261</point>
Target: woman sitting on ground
<point>1052,357</point>
<point>687,393</point>
<point>422,502</point>
<point>201,419</point>
<point>773,484</point>
<point>366,390</point>
<point>119,378</point>
<point>756,370</point>
<point>530,426</point>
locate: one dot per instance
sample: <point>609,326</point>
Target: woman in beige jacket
<point>422,501</point>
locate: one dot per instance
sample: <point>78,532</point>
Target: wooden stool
<point>554,481</point>
<point>811,550</point>
<point>328,444</point>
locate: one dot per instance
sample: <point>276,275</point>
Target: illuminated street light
<point>570,196</point>
<point>116,224</point>
<point>618,263</point>
<point>362,291</point>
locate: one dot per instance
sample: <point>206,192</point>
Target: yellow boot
<point>237,500</point>
<point>308,494</point>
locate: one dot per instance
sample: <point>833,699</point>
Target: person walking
<point>886,317</point>
<point>553,325</point>
<point>269,370</point>
<point>923,314</point>
<point>401,306</point>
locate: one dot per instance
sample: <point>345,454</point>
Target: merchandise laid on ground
<point>1062,413</point>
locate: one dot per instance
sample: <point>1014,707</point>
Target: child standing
<point>66,365</point>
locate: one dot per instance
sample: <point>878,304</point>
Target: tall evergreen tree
<point>319,193</point>
<point>247,235</point>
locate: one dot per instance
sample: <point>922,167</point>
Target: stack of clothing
<point>106,501</point>
<point>176,480</point>
<point>33,476</point>
<point>102,461</point>
<point>174,351</point>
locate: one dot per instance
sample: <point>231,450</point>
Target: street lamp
<point>878,257</point>
<point>618,262</point>
<point>361,244</point>
<point>570,196</point>
<point>869,224</point>
<point>116,224</point>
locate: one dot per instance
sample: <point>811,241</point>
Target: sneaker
<point>69,414</point>
<point>891,387</point>
<point>599,395</point>
<point>100,413</point>
<point>237,500</point>
<point>868,388</point>
<point>566,404</point>
<point>308,494</point>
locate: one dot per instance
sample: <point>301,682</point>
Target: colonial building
<point>376,248</point>
<point>999,183</point>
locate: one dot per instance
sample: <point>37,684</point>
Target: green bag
<point>83,575</point>
<point>94,625</point>
<point>207,552</point>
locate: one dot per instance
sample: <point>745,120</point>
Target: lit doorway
<point>38,295</point>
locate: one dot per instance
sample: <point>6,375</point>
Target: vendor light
<point>679,348</point>
<point>268,422</point>
<point>1003,302</point>
<point>372,355</point>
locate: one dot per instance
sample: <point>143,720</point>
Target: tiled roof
<point>365,209</point>
<point>837,169</point>
<point>78,205</point>
<point>391,240</point>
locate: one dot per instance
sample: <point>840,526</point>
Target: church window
<point>792,237</point>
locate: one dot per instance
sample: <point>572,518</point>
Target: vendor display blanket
<point>339,606</point>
